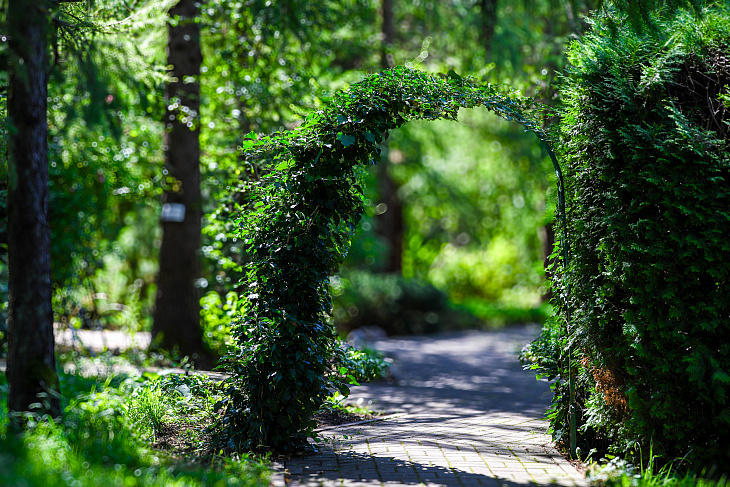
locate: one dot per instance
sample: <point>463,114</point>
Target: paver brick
<point>467,415</point>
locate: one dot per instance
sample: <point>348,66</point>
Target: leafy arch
<point>305,210</point>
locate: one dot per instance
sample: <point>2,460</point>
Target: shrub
<point>363,364</point>
<point>645,148</point>
<point>399,306</point>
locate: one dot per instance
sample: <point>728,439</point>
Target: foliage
<point>363,364</point>
<point>102,144</point>
<point>216,317</point>
<point>97,444</point>
<point>305,210</point>
<point>147,409</point>
<point>617,472</point>
<point>3,310</point>
<point>397,305</point>
<point>640,13</point>
<point>644,135</point>
<point>336,403</point>
<point>479,237</point>
<point>264,66</point>
<point>501,209</point>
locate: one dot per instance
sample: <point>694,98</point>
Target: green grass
<point>124,431</point>
<point>124,428</point>
<point>619,473</point>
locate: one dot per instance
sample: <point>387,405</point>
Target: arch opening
<point>305,210</point>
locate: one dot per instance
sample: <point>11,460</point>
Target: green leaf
<point>721,376</point>
<point>346,140</point>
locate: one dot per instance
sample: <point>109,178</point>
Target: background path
<point>463,413</point>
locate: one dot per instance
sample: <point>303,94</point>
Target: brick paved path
<point>463,413</point>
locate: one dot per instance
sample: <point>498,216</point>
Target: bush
<point>363,364</point>
<point>399,306</point>
<point>645,149</point>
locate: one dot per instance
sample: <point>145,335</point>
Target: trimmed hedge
<point>644,142</point>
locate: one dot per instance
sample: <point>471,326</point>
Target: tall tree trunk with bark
<point>31,373</point>
<point>390,223</point>
<point>177,312</point>
<point>489,23</point>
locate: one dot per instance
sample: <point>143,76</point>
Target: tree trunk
<point>489,23</point>
<point>177,311</point>
<point>389,223</point>
<point>31,373</point>
<point>388,35</point>
<point>549,242</point>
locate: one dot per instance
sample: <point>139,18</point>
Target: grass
<point>125,430</point>
<point>121,427</point>
<point>618,473</point>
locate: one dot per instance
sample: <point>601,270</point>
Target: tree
<point>489,23</point>
<point>390,222</point>
<point>31,362</point>
<point>177,311</point>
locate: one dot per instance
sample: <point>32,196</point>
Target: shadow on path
<point>364,470</point>
<point>468,416</point>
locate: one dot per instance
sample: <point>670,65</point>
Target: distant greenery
<point>476,211</point>
<point>397,305</point>
<point>645,142</point>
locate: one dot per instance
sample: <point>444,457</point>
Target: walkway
<point>463,413</point>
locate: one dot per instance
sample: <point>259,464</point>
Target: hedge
<point>644,146</point>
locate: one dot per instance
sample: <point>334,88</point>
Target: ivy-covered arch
<point>305,210</point>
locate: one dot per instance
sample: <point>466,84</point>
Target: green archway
<point>306,209</point>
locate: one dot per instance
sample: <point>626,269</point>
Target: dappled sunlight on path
<point>463,413</point>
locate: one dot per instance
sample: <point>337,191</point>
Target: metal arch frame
<point>572,408</point>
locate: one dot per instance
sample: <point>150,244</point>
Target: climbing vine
<point>306,206</point>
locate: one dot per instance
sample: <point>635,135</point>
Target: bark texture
<point>390,223</point>
<point>31,372</point>
<point>388,34</point>
<point>177,311</point>
<point>489,23</point>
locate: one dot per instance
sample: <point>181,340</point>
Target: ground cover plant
<point>644,139</point>
<point>123,430</point>
<point>121,426</point>
<point>617,472</point>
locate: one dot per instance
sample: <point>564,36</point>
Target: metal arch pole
<point>572,408</point>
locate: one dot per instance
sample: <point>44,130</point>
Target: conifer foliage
<point>645,144</point>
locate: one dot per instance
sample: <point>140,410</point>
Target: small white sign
<point>173,212</point>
